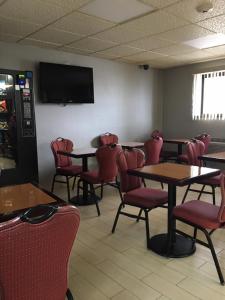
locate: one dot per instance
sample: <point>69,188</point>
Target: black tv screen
<point>65,84</point>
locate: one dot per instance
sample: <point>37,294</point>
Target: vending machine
<point>18,147</point>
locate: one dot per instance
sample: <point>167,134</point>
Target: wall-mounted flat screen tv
<point>65,84</point>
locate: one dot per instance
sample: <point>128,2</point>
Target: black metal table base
<point>89,200</point>
<point>182,247</point>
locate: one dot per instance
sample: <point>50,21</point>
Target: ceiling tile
<point>120,34</point>
<point>217,51</point>
<point>159,3</point>
<point>187,9</point>
<point>119,51</point>
<point>92,44</point>
<point>81,24</point>
<point>32,42</point>
<point>9,38</point>
<point>175,49</point>
<point>186,33</point>
<point>76,51</point>
<point>143,56</point>
<point>55,36</point>
<point>216,24</point>
<point>32,11</point>
<point>117,10</point>
<point>199,55</point>
<point>15,27</point>
<point>149,43</point>
<point>72,4</point>
<point>104,55</point>
<point>156,22</point>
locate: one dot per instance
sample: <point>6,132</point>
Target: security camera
<point>145,67</point>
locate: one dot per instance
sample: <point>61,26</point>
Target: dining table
<point>177,141</point>
<point>131,145</point>
<point>15,199</point>
<point>172,244</point>
<point>84,154</point>
<point>214,157</point>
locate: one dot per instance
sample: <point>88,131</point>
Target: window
<point>209,96</point>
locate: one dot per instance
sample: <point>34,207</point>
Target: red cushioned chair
<point>63,164</point>
<point>106,173</point>
<point>108,139</point>
<point>205,138</point>
<point>34,252</point>
<point>132,192</point>
<point>164,154</point>
<point>195,149</point>
<point>205,217</point>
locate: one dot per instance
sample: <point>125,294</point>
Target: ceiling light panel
<point>55,36</point>
<point>116,10</point>
<point>80,23</point>
<point>92,44</point>
<point>34,12</point>
<point>149,43</point>
<point>212,40</point>
<point>156,22</point>
<point>159,3</point>
<point>120,34</point>
<point>216,24</point>
<point>185,33</point>
<point>187,9</point>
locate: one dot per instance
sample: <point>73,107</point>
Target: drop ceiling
<point>161,33</point>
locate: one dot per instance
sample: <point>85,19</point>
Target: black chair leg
<point>69,295</point>
<point>162,186</point>
<point>143,181</point>
<point>214,195</point>
<point>102,185</point>
<point>214,256</point>
<point>74,181</point>
<point>185,195</point>
<point>92,190</point>
<point>200,194</point>
<point>68,187</point>
<point>78,188</point>
<point>117,217</point>
<point>53,183</point>
<point>139,215</point>
<point>147,227</point>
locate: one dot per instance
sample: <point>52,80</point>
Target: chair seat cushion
<point>72,170</point>
<point>145,197</point>
<point>91,177</point>
<point>215,180</point>
<point>198,213</point>
<point>183,158</point>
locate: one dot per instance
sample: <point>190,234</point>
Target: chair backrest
<point>62,145</point>
<point>156,133</point>
<point>106,158</point>
<point>34,253</point>
<point>206,139</point>
<point>108,139</point>
<point>129,159</point>
<point>221,214</point>
<point>153,148</point>
<point>194,149</point>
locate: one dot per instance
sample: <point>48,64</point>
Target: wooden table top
<point>18,197</point>
<point>132,144</point>
<point>80,152</point>
<point>172,173</point>
<point>176,141</point>
<point>217,156</point>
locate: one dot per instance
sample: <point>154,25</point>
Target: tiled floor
<point>119,267</point>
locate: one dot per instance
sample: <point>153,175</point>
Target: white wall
<point>128,102</point>
<point>177,103</point>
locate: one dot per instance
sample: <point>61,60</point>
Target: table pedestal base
<point>182,247</point>
<point>80,201</point>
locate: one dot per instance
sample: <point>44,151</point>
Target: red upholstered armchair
<point>63,164</point>
<point>132,191</point>
<point>164,154</point>
<point>34,253</point>
<point>195,149</point>
<point>108,139</point>
<point>205,217</point>
<point>106,173</point>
